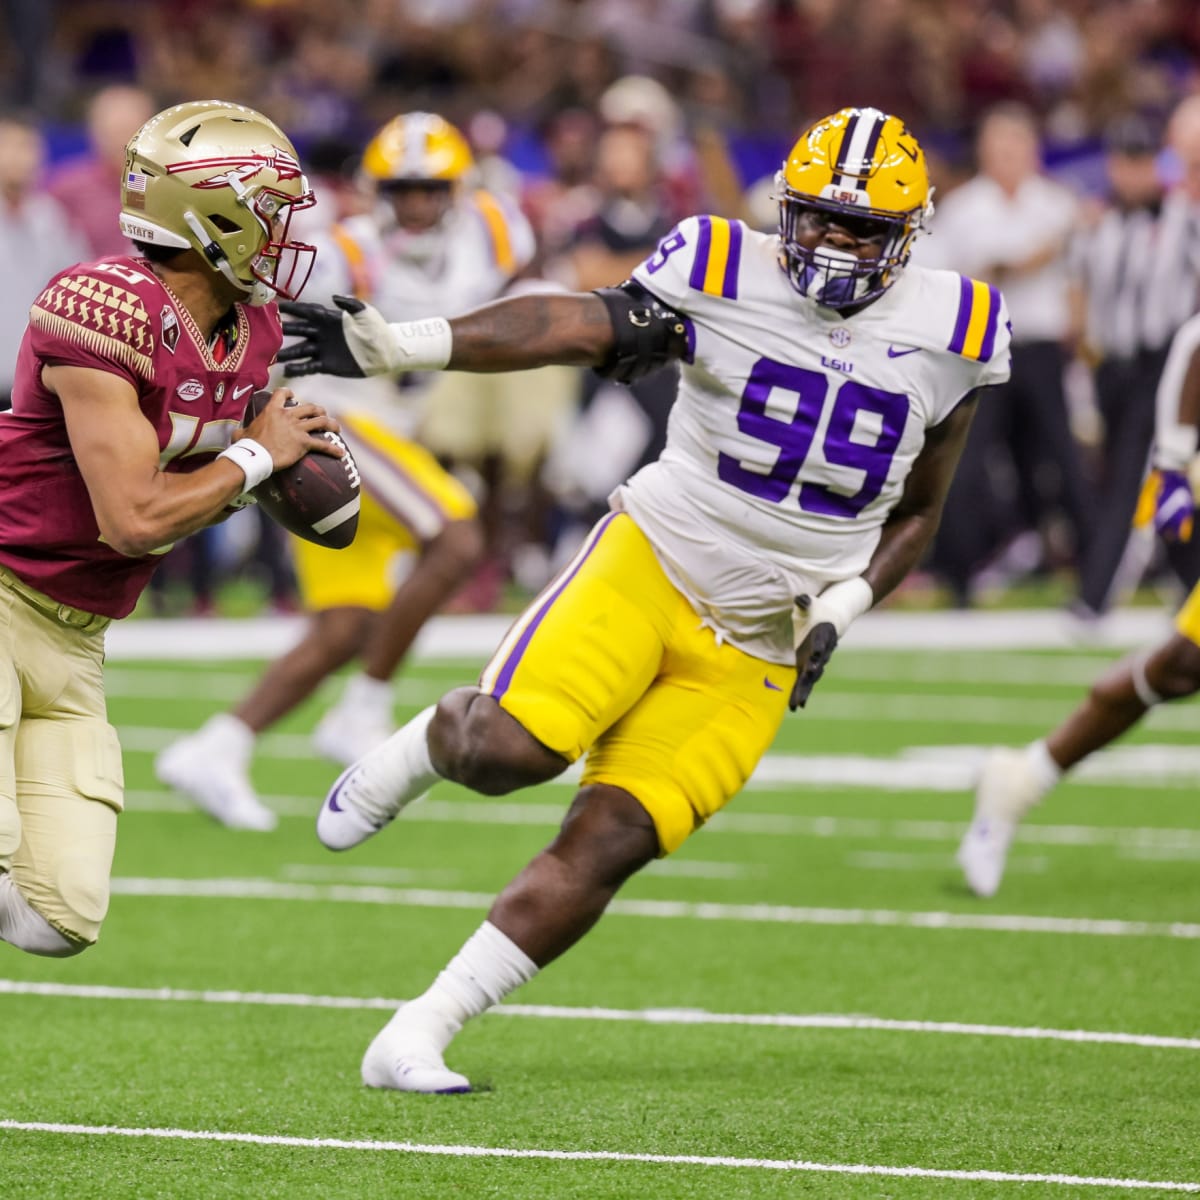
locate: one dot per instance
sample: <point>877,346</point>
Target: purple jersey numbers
<point>888,413</point>
<point>672,242</point>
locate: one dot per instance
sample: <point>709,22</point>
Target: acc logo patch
<point>170,328</point>
<point>190,389</point>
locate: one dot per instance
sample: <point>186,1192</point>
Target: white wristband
<point>420,345</point>
<point>252,457</point>
<point>1175,447</point>
<point>839,604</point>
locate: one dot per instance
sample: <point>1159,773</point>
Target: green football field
<point>804,1001</point>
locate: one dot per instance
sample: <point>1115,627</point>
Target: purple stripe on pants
<point>504,678</point>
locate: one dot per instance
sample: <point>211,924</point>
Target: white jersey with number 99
<point>795,427</point>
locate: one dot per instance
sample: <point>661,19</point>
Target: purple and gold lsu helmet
<point>862,170</point>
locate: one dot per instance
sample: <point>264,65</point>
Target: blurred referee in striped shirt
<point>1138,269</point>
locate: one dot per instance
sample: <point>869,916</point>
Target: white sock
<point>366,692</point>
<point>488,967</point>
<point>232,735</point>
<point>403,761</point>
<point>27,929</point>
<point>1042,765</point>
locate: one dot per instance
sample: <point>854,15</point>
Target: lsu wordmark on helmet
<point>861,169</point>
<point>224,180</point>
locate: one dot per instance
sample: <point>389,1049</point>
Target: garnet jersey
<point>795,427</point>
<point>113,315</point>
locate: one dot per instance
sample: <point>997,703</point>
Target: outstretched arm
<point>353,339</point>
<point>532,331</point>
<point>624,332</point>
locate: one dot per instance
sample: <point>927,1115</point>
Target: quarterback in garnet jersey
<point>117,316</point>
<point>125,435</point>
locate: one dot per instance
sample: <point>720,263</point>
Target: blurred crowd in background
<point>1063,139</point>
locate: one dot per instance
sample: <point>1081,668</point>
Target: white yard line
<point>476,637</point>
<point>694,1160</point>
<point>886,860</point>
<point>925,768</point>
<point>907,708</point>
<point>195,683</point>
<point>1160,842</point>
<point>648,1016</point>
<point>772,914</point>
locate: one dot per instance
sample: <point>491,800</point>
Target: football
<point>316,498</point>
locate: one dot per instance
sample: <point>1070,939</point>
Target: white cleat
<point>1005,792</point>
<point>409,1065</point>
<point>213,784</point>
<point>357,807</point>
<point>344,736</point>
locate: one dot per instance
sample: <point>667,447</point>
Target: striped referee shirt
<point>1140,271</point>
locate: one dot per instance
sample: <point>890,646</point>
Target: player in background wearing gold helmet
<point>130,387</point>
<point>431,244</point>
<point>825,394</point>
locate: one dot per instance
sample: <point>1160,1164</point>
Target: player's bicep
<point>114,445</point>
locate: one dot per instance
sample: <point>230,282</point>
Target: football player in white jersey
<point>431,244</point>
<point>1012,781</point>
<point>825,396</point>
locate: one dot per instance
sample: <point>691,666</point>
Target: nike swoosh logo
<point>238,393</point>
<point>334,806</point>
<point>892,353</point>
<point>773,686</point>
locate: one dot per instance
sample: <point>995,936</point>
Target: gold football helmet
<point>415,148</point>
<point>224,180</point>
<point>861,170</point>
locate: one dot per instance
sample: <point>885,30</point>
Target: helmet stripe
<point>844,148</point>
<point>858,147</point>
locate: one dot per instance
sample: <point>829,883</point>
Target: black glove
<point>812,656</point>
<point>323,350</point>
